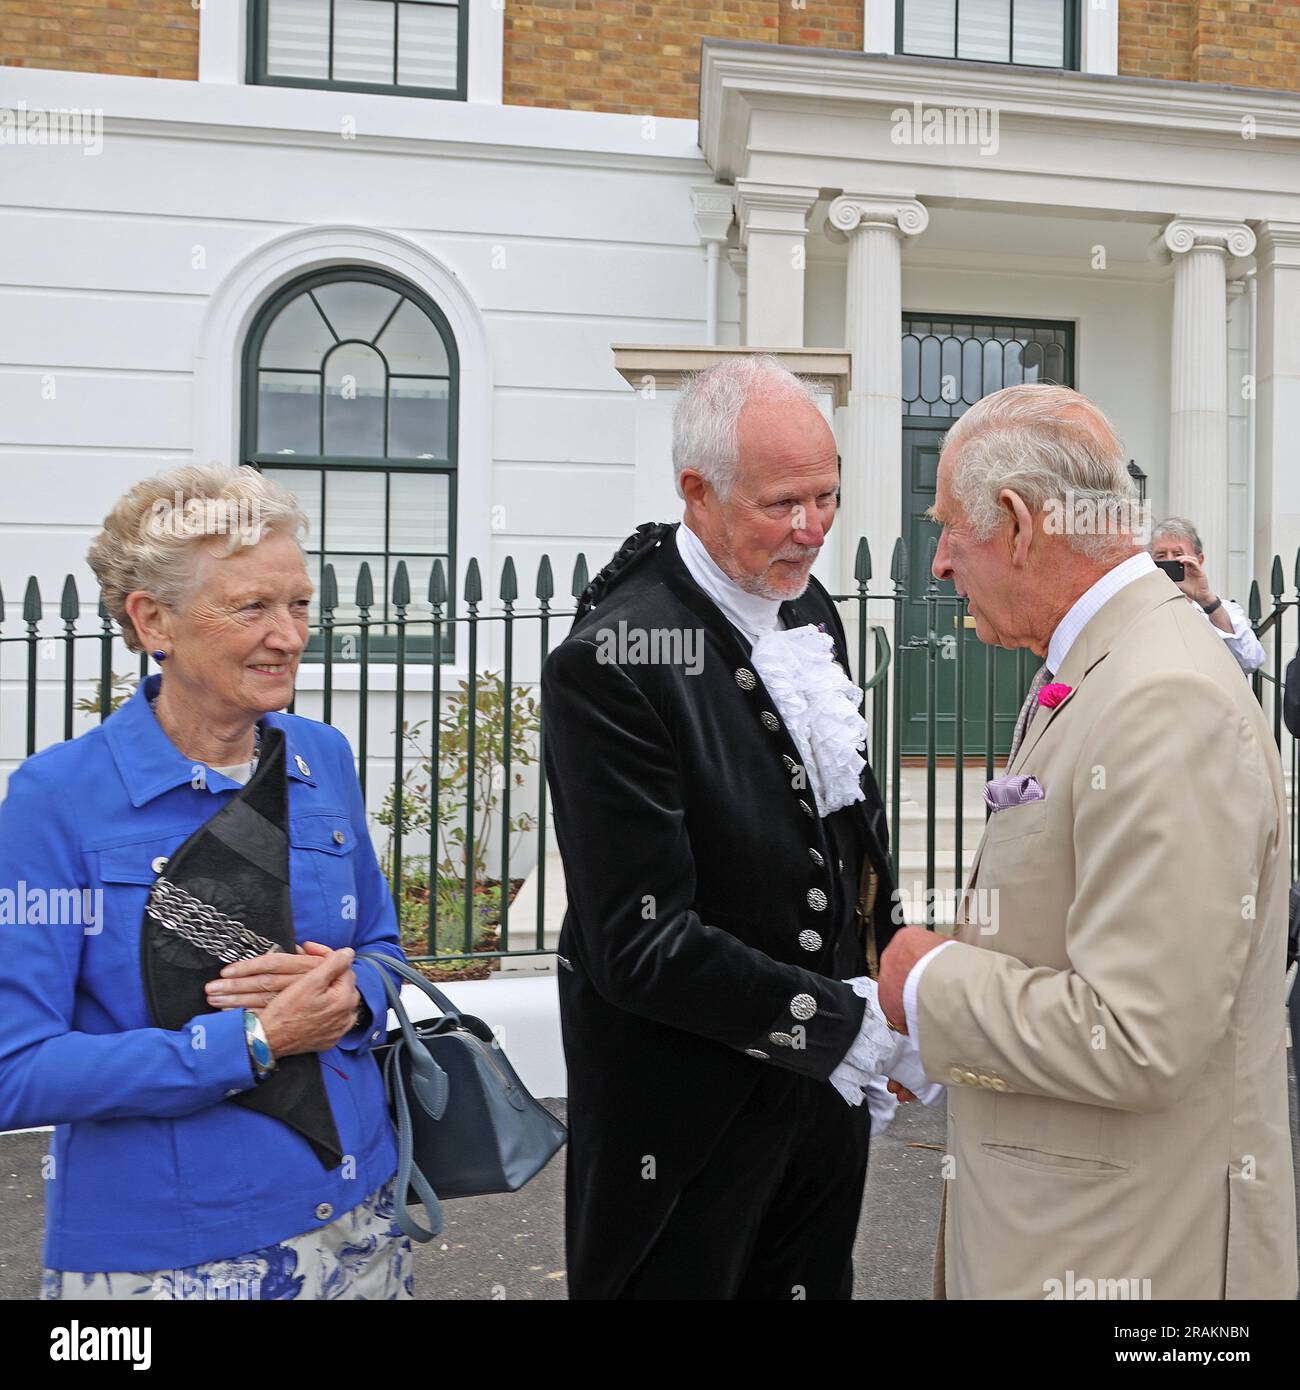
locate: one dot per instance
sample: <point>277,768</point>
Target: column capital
<point>714,206</point>
<point>850,211</point>
<point>1185,234</point>
<point>772,207</point>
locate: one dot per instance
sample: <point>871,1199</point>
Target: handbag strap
<point>413,977</point>
<point>408,1171</point>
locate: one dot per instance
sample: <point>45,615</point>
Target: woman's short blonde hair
<point>156,534</point>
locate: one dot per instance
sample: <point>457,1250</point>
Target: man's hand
<point>1195,585</point>
<point>253,984</point>
<point>906,947</point>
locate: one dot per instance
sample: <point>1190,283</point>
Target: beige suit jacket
<point>1111,1023</point>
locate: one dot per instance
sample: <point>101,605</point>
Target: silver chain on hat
<point>203,926</point>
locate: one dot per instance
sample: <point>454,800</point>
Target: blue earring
<point>160,656</point>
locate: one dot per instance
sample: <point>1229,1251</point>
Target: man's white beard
<point>760,584</point>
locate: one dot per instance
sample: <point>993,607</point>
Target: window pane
<point>288,413</point>
<point>354,511</point>
<point>418,513</point>
<point>304,483</point>
<point>364,37</point>
<point>412,344</point>
<point>1040,32</point>
<point>356,308</point>
<point>929,27</point>
<point>426,49</point>
<point>417,419</point>
<point>984,30</point>
<point>297,38</point>
<point>298,338</point>
<point>354,402</point>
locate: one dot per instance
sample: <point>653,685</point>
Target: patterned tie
<point>1041,677</point>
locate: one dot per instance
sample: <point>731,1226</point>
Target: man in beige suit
<point>1114,1046</point>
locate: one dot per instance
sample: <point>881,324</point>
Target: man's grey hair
<point>1052,446</point>
<point>707,418</point>
<point>1178,528</point>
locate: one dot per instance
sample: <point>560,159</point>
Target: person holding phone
<point>1176,549</point>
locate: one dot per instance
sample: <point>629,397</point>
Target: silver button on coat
<point>769,721</point>
<point>324,1211</point>
<point>810,940</point>
<point>817,900</point>
<point>745,678</point>
<point>803,1006</point>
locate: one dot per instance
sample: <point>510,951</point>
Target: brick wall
<point>644,55</point>
<point>138,38</point>
<point>1250,43</point>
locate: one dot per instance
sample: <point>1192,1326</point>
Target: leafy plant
<point>121,688</point>
<point>446,793</point>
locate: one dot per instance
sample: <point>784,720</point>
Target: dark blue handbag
<point>466,1125</point>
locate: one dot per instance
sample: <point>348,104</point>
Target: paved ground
<point>513,1246</point>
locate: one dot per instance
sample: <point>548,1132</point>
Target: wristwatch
<point>259,1050</point>
<point>1208,608</point>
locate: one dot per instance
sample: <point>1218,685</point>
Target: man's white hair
<point>707,418</point>
<point>1178,528</point>
<point>1050,445</point>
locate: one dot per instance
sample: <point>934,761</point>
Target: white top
<point>819,704</point>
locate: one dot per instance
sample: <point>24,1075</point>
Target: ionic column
<point>1198,379</point>
<point>773,222</point>
<point>871,498</point>
<point>1277,403</point>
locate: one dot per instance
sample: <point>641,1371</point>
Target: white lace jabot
<point>818,702</point>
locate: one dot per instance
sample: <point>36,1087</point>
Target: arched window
<point>350,389</point>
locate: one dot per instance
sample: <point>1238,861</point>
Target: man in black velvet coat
<point>712,910</point>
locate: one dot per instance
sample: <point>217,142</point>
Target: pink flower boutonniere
<point>1053,693</point>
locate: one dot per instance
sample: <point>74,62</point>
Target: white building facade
<point>921,230</point>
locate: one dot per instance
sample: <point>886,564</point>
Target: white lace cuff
<point>874,1052</point>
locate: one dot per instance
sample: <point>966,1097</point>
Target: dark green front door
<point>921,447</point>
<point>950,361</point>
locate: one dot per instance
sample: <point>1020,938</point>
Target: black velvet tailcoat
<point>694,955</point>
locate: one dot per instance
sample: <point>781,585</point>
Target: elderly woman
<point>1176,539</point>
<point>221,1130</point>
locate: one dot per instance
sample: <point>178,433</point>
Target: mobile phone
<point>1175,569</point>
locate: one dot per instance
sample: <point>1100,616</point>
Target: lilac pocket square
<point>1004,792</point>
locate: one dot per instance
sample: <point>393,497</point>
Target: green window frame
<point>1071,20</point>
<point>321,320</point>
<point>338,19</point>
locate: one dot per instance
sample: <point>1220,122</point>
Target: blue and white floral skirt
<point>361,1255</point>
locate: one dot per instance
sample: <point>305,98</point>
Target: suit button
<point>805,808</point>
<point>816,858</point>
<point>985,1081</point>
<point>339,837</point>
<point>790,764</point>
<point>810,940</point>
<point>969,1078</point>
<point>803,1006</point>
<point>781,1039</point>
<point>996,1083</point>
<point>159,864</point>
<point>957,1075</point>
<point>745,678</point>
<point>817,900</point>
<point>301,764</point>
<point>324,1211</point>
<point>769,721</point>
<point>754,1052</point>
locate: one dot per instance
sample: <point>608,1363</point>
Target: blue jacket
<point>151,1170</point>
